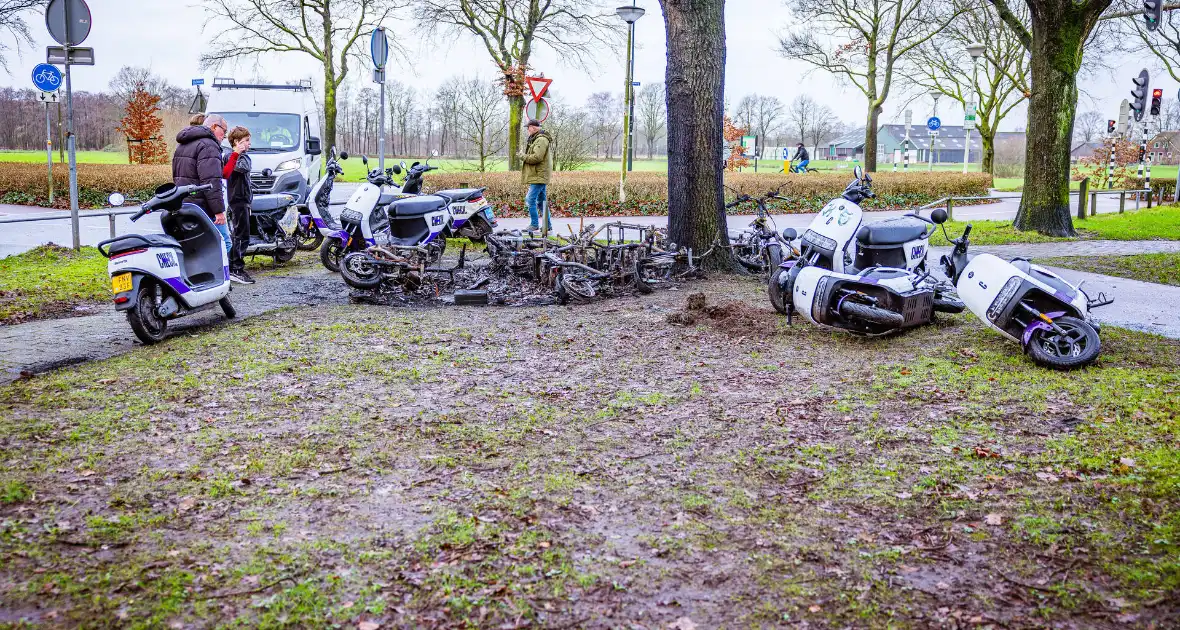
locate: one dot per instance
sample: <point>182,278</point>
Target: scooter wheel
<point>227,308</point>
<point>778,298</point>
<point>641,276</point>
<point>872,314</point>
<point>285,252</point>
<point>1079,347</point>
<point>308,239</point>
<point>330,254</point>
<point>145,323</point>
<point>359,272</point>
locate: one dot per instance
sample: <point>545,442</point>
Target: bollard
<point>111,218</point>
<point>1083,194</point>
<point>1093,203</point>
<point>950,209</point>
<point>1150,195</point>
<point>1122,202</point>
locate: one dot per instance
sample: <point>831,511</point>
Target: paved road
<point>19,237</point>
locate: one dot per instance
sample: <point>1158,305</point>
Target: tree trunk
<point>987,140</point>
<point>1056,52</point>
<point>696,99</point>
<point>871,138</point>
<point>515,118</point>
<point>329,107</point>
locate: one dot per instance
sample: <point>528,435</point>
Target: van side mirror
<point>938,216</point>
<point>313,146</point>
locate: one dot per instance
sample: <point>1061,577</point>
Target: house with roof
<point>1084,150</point>
<point>946,147</point>
<point>1164,148</point>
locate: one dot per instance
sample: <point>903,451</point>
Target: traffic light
<point>1157,95</point>
<point>1139,95</point>
<point>1142,152</point>
<point>1152,12</point>
<point>1110,124</point>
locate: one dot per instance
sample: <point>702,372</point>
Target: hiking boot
<point>241,277</point>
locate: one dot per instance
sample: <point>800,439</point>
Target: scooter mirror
<point>403,165</point>
<point>116,199</point>
<point>397,169</point>
<point>857,173</point>
<point>344,155</point>
<point>790,234</point>
<point>364,160</point>
<point>938,216</point>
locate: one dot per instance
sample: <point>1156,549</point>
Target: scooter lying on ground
<point>838,240</point>
<point>1045,314</point>
<point>274,220</point>
<point>159,277</point>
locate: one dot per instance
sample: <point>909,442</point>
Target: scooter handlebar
<point>138,215</point>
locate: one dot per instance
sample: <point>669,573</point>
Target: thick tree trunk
<point>871,139</point>
<point>695,97</point>
<point>329,109</point>
<point>987,140</point>
<point>515,120</point>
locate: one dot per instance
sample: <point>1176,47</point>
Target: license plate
<point>487,212</point>
<point>121,283</point>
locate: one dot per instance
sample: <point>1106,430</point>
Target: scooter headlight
<point>289,165</point>
<point>1005,296</point>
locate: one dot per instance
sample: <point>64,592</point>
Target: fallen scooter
<point>1045,314</point>
<point>159,277</point>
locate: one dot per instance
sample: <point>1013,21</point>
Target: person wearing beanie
<point>536,171</point>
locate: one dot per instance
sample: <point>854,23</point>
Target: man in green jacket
<point>535,173</point>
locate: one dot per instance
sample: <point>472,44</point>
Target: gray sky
<point>166,35</point>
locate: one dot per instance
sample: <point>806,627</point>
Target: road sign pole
<point>49,150</point>
<point>70,146</point>
<point>381,133</point>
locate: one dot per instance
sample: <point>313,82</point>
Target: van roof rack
<point>228,83</point>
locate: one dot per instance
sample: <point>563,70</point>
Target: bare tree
<point>509,30</point>
<point>606,115</point>
<point>768,116</point>
<point>743,115</point>
<point>447,100</point>
<point>14,27</point>
<point>325,30</point>
<point>573,138</point>
<point>823,126</point>
<point>695,79</point>
<point>1088,126</point>
<point>863,43</point>
<point>403,102</point>
<point>943,64</point>
<point>124,82</point>
<point>481,119</point>
<point>801,116</point>
<point>653,115</point>
<point>1060,30</point>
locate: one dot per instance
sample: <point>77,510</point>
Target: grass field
<point>83,157</point>
<point>1158,268</point>
<point>1159,223</point>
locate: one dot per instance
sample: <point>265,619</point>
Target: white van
<point>284,125</point>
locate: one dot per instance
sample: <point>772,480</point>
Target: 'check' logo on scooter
<point>166,259</point>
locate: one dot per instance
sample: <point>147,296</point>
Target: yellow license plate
<point>121,283</point>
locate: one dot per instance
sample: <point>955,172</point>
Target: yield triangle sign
<point>538,86</point>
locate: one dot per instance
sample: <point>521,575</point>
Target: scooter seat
<point>892,231</point>
<point>267,203</point>
<point>131,242</point>
<point>461,194</point>
<point>416,206</point>
<point>387,198</point>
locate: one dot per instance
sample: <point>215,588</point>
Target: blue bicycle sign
<point>933,123</point>
<point>46,78</point>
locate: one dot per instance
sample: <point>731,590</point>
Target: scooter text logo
<point>166,260</point>
<point>436,221</point>
<point>917,252</point>
<point>828,213</point>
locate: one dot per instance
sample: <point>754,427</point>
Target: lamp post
<point>630,15</point>
<point>935,94</point>
<point>975,50</point>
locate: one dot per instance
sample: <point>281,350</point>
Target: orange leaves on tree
<point>733,139</point>
<point>1126,164</point>
<point>513,79</point>
<point>142,125</point>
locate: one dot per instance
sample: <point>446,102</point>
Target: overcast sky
<point>167,36</point>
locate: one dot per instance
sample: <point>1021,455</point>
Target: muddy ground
<point>617,464</point>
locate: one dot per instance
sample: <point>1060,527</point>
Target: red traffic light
<point>1157,93</point>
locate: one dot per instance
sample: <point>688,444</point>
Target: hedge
<point>581,193</point>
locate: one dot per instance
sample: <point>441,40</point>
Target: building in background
<point>1164,148</point>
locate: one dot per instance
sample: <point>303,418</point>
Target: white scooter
<point>159,277</point>
<point>839,241</point>
<point>363,222</point>
<point>1045,314</point>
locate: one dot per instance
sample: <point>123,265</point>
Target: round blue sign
<point>379,48</point>
<point>933,123</point>
<point>46,78</point>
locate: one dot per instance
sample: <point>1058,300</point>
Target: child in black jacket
<point>237,172</point>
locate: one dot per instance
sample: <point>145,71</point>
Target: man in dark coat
<point>197,160</point>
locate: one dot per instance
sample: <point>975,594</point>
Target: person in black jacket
<point>803,157</point>
<point>197,161</point>
<point>237,174</point>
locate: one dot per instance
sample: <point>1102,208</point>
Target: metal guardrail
<point>949,202</point>
<point>109,214</point>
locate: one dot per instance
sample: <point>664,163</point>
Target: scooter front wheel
<point>145,323</point>
<point>359,271</point>
<point>330,254</point>
<point>1078,347</point>
<point>308,238</point>
<point>871,314</point>
<point>778,298</point>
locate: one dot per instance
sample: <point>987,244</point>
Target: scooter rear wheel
<point>1079,347</point>
<point>871,314</point>
<point>285,252</point>
<point>308,238</point>
<point>145,323</point>
<point>227,308</point>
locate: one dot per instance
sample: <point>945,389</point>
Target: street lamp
<point>976,51</point>
<point>630,15</point>
<point>934,94</point>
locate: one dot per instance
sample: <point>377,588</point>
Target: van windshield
<point>269,133</point>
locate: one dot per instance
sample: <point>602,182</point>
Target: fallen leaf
<point>368,625</point>
<point>994,519</point>
<point>683,623</point>
<point>186,504</point>
<point>814,608</point>
<point>1127,461</point>
<point>626,563</point>
<point>903,495</point>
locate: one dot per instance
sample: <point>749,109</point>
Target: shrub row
<point>582,193</point>
<point>595,193</point>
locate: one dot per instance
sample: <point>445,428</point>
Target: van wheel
<point>145,323</point>
<point>330,254</point>
<point>227,308</point>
